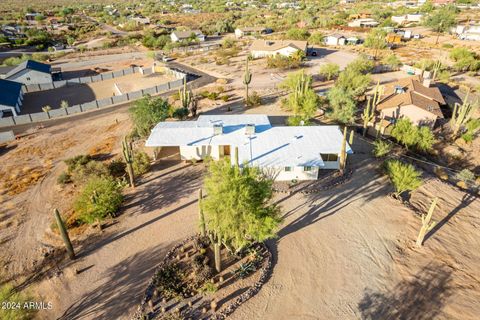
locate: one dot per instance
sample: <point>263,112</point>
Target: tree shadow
<point>121,289</point>
<point>163,189</point>
<point>421,298</point>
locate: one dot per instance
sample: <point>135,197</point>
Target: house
<point>335,39</point>
<point>293,152</point>
<point>363,23</point>
<point>247,31</point>
<point>413,98</point>
<point>442,2</point>
<point>408,18</point>
<point>468,32</point>
<point>264,48</point>
<point>30,72</point>
<point>177,36</point>
<point>11,97</point>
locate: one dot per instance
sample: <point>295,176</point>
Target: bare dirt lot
<point>82,93</point>
<point>343,253</point>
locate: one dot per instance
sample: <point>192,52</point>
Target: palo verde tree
<point>237,208</point>
<point>408,134</point>
<point>403,176</point>
<point>376,40</point>
<point>329,71</point>
<point>147,112</point>
<point>302,100</point>
<point>442,20</point>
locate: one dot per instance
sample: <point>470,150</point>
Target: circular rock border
<point>265,273</point>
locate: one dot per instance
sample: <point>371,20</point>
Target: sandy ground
<point>82,93</point>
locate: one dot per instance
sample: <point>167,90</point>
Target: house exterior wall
<point>297,173</point>
<point>417,115</point>
<point>199,152</point>
<point>332,41</point>
<point>31,77</point>
<point>287,52</point>
<point>8,108</point>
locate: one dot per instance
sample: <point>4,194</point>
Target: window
<point>288,169</point>
<point>307,168</point>
<point>329,157</point>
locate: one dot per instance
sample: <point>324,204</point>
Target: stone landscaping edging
<point>265,273</point>
<point>329,185</point>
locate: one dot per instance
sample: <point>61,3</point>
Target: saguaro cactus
<point>64,234</point>
<point>247,78</point>
<point>426,224</point>
<point>128,156</point>
<point>350,138</point>
<point>343,153</point>
<point>218,258</point>
<point>367,116</point>
<point>461,114</point>
<point>236,157</point>
<point>203,231</point>
<point>185,95</point>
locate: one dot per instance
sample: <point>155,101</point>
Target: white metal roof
<point>268,147</point>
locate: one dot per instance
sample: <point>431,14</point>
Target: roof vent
<point>217,129</point>
<point>399,89</point>
<point>269,43</point>
<point>249,129</point>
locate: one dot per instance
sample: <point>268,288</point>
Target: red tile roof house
<point>413,98</point>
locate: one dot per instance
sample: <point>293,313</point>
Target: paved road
<point>203,80</point>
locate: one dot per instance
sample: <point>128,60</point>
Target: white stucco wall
<point>199,153</point>
<point>31,77</point>
<point>297,173</point>
<point>287,52</point>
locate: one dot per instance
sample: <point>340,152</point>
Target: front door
<point>226,150</point>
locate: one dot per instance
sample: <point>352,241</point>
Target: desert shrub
<point>329,71</point>
<point>381,148</point>
<point>180,113</point>
<point>225,98</point>
<point>282,62</point>
<point>101,197</point>
<point>254,100</point>
<point>141,163</point>
<point>208,288</point>
<point>91,169</point>
<point>403,176</point>
<point>169,281</point>
<point>465,175</point>
<point>408,134</point>
<point>80,160</point>
<point>209,95</point>
<point>117,167</point>
<point>64,178</point>
<point>8,295</point>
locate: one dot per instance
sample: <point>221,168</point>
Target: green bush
<point>80,160</point>
<point>381,148</point>
<point>64,178</point>
<point>116,168</point>
<point>403,176</point>
<point>180,113</point>
<point>91,169</point>
<point>8,295</point>
<point>282,62</point>
<point>254,100</point>
<point>141,163</point>
<point>101,197</point>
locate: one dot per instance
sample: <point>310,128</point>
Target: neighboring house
<point>335,39</point>
<point>468,32</point>
<point>264,48</point>
<point>286,152</point>
<point>363,23</point>
<point>30,72</point>
<point>408,18</point>
<point>140,20</point>
<point>11,97</point>
<point>413,98</point>
<point>177,36</point>
<point>247,31</point>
